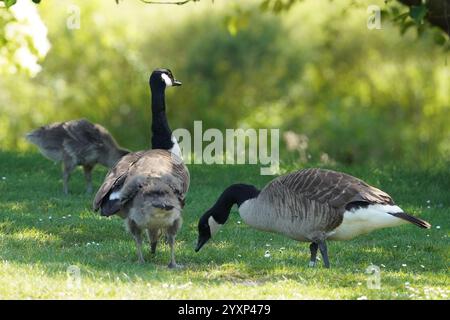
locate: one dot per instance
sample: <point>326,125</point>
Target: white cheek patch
<point>166,79</point>
<point>214,226</point>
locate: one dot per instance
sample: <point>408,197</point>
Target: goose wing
<point>168,167</point>
<point>318,198</point>
<point>114,180</point>
<point>337,189</point>
<point>153,163</point>
<point>83,137</point>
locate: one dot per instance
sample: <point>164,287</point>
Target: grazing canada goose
<point>310,205</point>
<point>148,188</point>
<point>77,142</point>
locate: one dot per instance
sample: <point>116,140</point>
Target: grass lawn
<point>36,250</point>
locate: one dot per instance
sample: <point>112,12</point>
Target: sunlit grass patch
<point>37,252</point>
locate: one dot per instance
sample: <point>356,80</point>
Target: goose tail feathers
<point>414,220</point>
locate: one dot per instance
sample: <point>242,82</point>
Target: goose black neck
<point>161,133</point>
<point>234,194</point>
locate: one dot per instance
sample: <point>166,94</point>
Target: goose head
<point>162,78</point>
<point>207,227</point>
<point>213,219</point>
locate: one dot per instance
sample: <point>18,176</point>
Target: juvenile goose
<point>310,205</point>
<point>77,142</point>
<point>148,188</point>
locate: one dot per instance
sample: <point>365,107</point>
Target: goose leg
<point>88,177</point>
<point>172,263</point>
<point>171,232</point>
<point>68,166</point>
<point>137,235</point>
<point>313,248</point>
<point>153,237</point>
<point>138,240</point>
<point>324,252</point>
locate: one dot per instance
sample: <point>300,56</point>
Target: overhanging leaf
<point>9,3</point>
<point>418,13</point>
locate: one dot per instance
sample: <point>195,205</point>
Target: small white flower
<point>69,215</point>
<point>438,227</point>
<point>267,245</point>
<point>50,218</point>
<point>383,265</point>
<point>403,264</point>
<point>239,256</point>
<point>97,244</point>
<point>422,266</point>
<point>3,178</point>
<point>40,220</point>
<point>428,235</point>
<point>362,298</point>
<point>395,246</point>
<point>64,217</point>
<point>267,254</point>
<point>406,283</point>
<point>409,246</point>
<point>359,283</point>
<point>239,222</point>
<point>428,201</point>
<point>428,207</point>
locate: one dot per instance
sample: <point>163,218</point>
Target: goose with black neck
<point>310,205</point>
<point>161,134</point>
<point>148,188</point>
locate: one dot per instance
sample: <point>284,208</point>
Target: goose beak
<point>200,243</point>
<point>176,83</point>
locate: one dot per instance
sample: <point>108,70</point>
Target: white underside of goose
<point>365,220</point>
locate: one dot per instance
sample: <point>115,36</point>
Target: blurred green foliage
<point>359,95</point>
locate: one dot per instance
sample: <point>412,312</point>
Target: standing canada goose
<point>77,142</point>
<point>310,205</point>
<point>148,188</point>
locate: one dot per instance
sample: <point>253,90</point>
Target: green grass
<point>36,251</point>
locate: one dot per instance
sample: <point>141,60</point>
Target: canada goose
<point>148,188</point>
<point>77,142</point>
<point>310,205</point>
